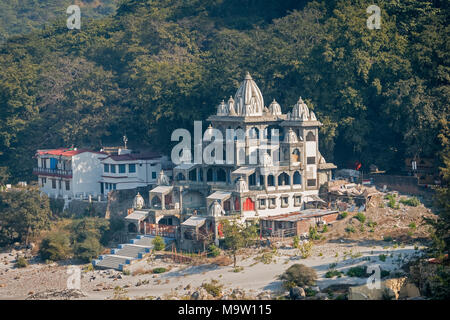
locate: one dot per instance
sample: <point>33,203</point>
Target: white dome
<point>300,111</point>
<point>231,110</point>
<point>249,100</point>
<point>291,137</point>
<point>275,108</point>
<point>222,109</point>
<point>216,209</point>
<point>241,185</point>
<point>162,180</point>
<point>138,202</point>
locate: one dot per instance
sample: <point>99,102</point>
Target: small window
<point>284,202</point>
<point>106,167</point>
<point>153,175</point>
<point>67,185</point>
<point>113,168</point>
<point>272,202</point>
<point>297,200</point>
<point>131,168</point>
<point>44,181</point>
<point>53,184</point>
<point>114,186</point>
<point>311,182</point>
<point>311,160</point>
<point>262,203</point>
<point>122,168</point>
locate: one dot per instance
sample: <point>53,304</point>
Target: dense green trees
<point>23,214</point>
<point>158,65</point>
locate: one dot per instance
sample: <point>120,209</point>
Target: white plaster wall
<point>87,171</point>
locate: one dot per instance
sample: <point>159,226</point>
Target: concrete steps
<point>126,253</point>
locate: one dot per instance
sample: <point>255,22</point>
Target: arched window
<point>221,175</point>
<point>283,179</point>
<point>253,133</point>
<point>209,175</point>
<point>270,180</point>
<point>297,178</point>
<point>310,136</point>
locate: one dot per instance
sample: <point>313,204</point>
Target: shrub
<point>325,228</point>
<point>413,202</point>
<point>310,292</point>
<point>296,242</point>
<point>158,243</point>
<point>159,270</point>
<point>412,225</point>
<point>299,275</point>
<point>214,288</point>
<point>333,273</point>
<point>371,224</point>
<point>359,271</point>
<point>392,203</point>
<point>88,249</point>
<point>387,238</point>
<point>385,273</point>
<point>313,234</point>
<point>382,257</point>
<point>350,229</point>
<point>213,250</point>
<point>305,249</point>
<point>55,247</point>
<point>343,215</point>
<point>21,262</point>
<point>361,217</point>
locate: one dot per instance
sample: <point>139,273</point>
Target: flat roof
<point>194,221</point>
<point>219,195</point>
<point>300,215</point>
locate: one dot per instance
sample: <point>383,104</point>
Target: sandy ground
<point>182,280</point>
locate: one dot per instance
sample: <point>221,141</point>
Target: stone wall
<point>116,206</point>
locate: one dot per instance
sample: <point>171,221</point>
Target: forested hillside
<point>23,16</point>
<point>156,65</point>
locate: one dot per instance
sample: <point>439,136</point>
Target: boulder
<point>409,290</point>
<point>297,293</point>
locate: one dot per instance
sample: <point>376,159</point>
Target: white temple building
<point>284,177</point>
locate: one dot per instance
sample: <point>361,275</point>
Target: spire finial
<point>248,76</point>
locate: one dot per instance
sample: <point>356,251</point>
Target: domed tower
<point>138,202</point>
<point>249,100</point>
<point>274,108</point>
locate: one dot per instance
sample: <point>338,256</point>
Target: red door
<point>249,205</point>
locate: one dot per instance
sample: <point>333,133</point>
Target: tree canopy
<point>153,66</point>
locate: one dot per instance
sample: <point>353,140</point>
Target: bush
<point>382,257</point>
<point>413,202</point>
<point>296,242</point>
<point>361,217</point>
<point>158,243</point>
<point>333,273</point>
<point>21,262</point>
<point>359,271</point>
<point>55,247</point>
<point>313,234</point>
<point>213,288</point>
<point>387,238</point>
<point>159,270</point>
<point>343,215</point>
<point>299,275</point>
<point>88,249</point>
<point>412,225</point>
<point>213,250</point>
<point>350,229</point>
<point>310,292</point>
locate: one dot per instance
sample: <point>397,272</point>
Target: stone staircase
<point>126,254</point>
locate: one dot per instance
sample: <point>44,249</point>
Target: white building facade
<point>129,170</point>
<point>69,172</point>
